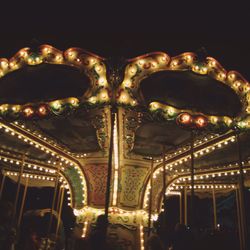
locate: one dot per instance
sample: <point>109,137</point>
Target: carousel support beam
<point>110,160</point>
<point>18,188</point>
<point>59,199</point>
<point>53,204</point>
<point>239,218</point>
<point>241,193</point>
<point>23,202</point>
<point>214,208</point>
<point>192,179</point>
<point>164,184</point>
<point>181,213</point>
<point>2,185</point>
<point>185,205</point>
<point>60,210</point>
<point>150,197</point>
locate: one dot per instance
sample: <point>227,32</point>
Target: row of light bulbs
<point>50,141</point>
<point>171,166</point>
<point>28,164</point>
<point>198,153</point>
<point>177,187</point>
<point>202,176</point>
<point>13,132</point>
<point>62,180</point>
<point>48,54</point>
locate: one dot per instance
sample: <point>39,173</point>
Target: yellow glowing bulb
<point>188,58</point>
<point>221,76</point>
<point>231,76</point>
<point>102,81</point>
<point>124,97</point>
<point>103,95</point>
<point>141,62</point>
<point>212,63</point>
<point>164,59</point>
<point>98,68</point>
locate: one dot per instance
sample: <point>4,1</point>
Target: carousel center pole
<point>110,160</point>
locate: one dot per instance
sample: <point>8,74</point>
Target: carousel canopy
<point>56,111</point>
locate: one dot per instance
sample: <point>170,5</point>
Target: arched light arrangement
<point>66,162</point>
<point>91,64</point>
<point>141,67</point>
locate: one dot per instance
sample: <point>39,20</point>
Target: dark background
<point>127,29</point>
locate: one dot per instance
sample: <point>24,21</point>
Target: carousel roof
<point>56,106</point>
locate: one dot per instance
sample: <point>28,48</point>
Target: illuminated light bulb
<point>12,64</point>
<point>188,58</point>
<point>154,105</point>
<point>231,76</point>
<point>98,68</point>
<point>171,111</point>
<point>141,62</point>
<point>212,63</point>
<point>23,53</point>
<point>46,50</point>
<point>124,97</point>
<point>185,118</point>
<point>128,83</point>
<point>14,108</point>
<point>203,70</point>
<point>200,121</point>
<point>221,76</point>
<point>4,64</point>
<point>28,112</point>
<point>174,63</point>
<point>154,64</point>
<point>56,105</point>
<point>237,84</point>
<point>102,81</point>
<point>134,102</point>
<point>42,110</point>
<point>104,96</point>
<point>92,99</point>
<point>164,58</point>
<point>59,58</point>
<point>38,59</point>
<point>132,70</point>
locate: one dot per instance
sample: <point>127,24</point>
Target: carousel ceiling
<point>55,110</point>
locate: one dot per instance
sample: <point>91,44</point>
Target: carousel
<point>120,138</point>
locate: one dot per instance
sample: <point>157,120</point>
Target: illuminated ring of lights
<point>141,67</point>
<point>91,64</point>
